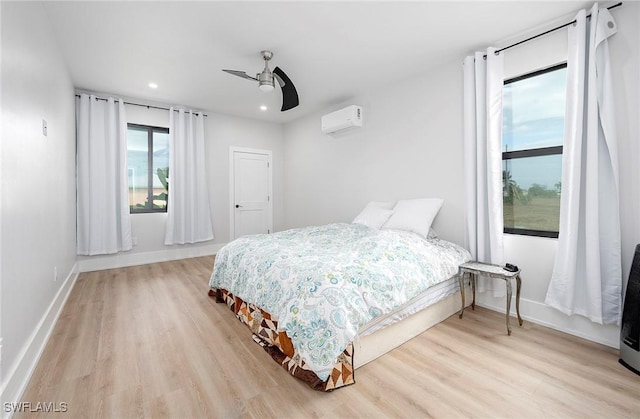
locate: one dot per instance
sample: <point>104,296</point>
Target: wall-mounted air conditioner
<point>349,117</point>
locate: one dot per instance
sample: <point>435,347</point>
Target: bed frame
<point>369,347</point>
<point>361,351</point>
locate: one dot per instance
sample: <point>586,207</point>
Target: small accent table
<point>473,269</point>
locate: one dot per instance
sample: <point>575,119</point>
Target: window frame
<point>532,152</point>
<point>150,131</point>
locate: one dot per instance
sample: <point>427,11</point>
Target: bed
<point>324,300</point>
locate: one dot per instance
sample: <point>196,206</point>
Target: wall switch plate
<point>44,127</point>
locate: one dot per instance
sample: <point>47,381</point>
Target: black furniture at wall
<point>630,330</point>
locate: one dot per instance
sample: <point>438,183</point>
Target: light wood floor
<point>147,341</point>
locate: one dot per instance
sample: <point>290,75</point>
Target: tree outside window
<point>533,129</point>
<point>148,161</point>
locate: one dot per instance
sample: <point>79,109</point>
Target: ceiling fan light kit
<point>266,83</point>
<point>265,79</point>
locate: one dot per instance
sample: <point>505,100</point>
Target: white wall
<point>38,189</point>
<point>409,147</point>
<point>221,133</point>
<point>38,201</point>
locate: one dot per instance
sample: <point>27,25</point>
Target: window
<point>148,157</point>
<point>532,135</point>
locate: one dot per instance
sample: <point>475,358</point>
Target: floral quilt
<point>321,284</point>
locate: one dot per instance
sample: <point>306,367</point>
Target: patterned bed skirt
<point>279,346</point>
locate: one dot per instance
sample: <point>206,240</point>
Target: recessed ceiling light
<point>153,85</point>
<point>263,108</point>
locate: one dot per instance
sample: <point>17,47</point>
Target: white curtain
<point>483,82</point>
<point>188,214</point>
<point>587,277</point>
<point>103,224</point>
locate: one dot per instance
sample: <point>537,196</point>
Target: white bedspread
<point>323,283</point>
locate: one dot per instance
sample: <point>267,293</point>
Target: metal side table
<point>473,269</point>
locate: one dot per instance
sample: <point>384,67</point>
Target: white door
<point>250,192</point>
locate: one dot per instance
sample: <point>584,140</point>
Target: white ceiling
<point>331,50</point>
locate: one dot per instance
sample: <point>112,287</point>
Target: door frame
<point>232,212</point>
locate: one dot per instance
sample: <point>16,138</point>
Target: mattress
<point>420,302</point>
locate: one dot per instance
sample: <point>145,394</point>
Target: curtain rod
<point>549,31</point>
<point>139,104</point>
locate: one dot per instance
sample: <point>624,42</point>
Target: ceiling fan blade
<point>242,74</point>
<point>289,92</point>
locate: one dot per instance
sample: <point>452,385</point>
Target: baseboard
<point>18,378</point>
<point>124,259</point>
<point>544,315</point>
<point>16,382</point>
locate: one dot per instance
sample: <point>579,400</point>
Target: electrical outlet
<point>55,273</point>
<point>44,127</point>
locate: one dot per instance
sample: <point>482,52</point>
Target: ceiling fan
<point>266,84</point>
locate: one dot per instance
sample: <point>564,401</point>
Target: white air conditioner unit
<point>349,117</point>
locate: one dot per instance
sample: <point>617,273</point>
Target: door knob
<point>238,206</point>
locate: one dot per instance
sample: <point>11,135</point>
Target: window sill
<point>532,233</point>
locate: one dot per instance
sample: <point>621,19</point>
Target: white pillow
<point>382,204</point>
<point>414,215</point>
<point>374,215</point>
